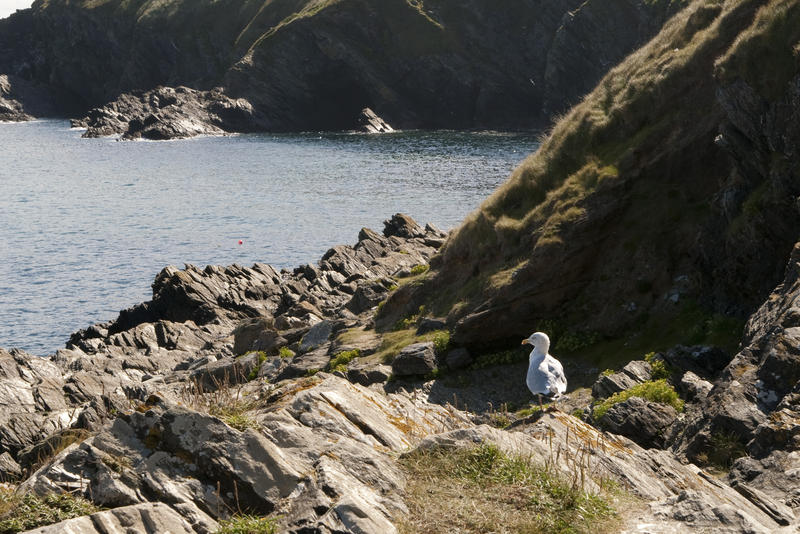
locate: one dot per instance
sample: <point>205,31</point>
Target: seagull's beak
<point>525,342</point>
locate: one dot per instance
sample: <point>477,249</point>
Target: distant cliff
<point>311,65</point>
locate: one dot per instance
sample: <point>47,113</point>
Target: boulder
<point>318,335</point>
<point>643,421</point>
<point>415,359</point>
<point>693,388</point>
<point>458,358</point>
<point>635,372</point>
<point>429,324</point>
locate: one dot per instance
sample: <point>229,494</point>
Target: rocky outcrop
<point>308,65</point>
<point>197,330</point>
<point>170,113</point>
<point>319,453</point>
<point>755,402</point>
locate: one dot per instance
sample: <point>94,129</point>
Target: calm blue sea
<point>85,224</point>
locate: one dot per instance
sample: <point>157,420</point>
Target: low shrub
<point>19,513</point>
<point>248,524</point>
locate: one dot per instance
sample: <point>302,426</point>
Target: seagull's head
<point>539,340</point>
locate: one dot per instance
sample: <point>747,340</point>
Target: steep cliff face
<point>670,189</point>
<point>314,64</point>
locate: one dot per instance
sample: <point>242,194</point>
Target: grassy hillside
<point>643,215</point>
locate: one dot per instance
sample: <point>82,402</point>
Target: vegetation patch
<point>340,361</point>
<point>285,352</point>
<point>248,524</point>
<point>484,490</point>
<point>422,268</point>
<point>724,449</point>
<point>262,357</point>
<point>655,391</point>
<point>19,513</point>
<point>658,367</point>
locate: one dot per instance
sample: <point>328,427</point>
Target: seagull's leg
<point>541,406</point>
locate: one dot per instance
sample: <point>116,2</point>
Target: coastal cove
<point>87,223</point>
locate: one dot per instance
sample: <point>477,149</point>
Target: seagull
<point>545,373</point>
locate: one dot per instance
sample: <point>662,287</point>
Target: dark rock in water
<point>643,421</point>
<point>633,373</point>
<point>458,358</point>
<point>170,113</point>
<point>369,122</point>
<point>401,225</point>
<point>415,359</point>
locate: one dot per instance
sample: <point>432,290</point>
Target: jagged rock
<point>148,518</point>
<point>367,374</point>
<point>307,363</point>
<point>643,421</point>
<point>321,453</point>
<point>369,122</point>
<point>458,358</point>
<point>694,388</point>
<point>318,335</point>
<point>415,359</point>
<point>704,361</point>
<point>402,226</point>
<point>633,373</point>
<point>225,372</point>
<point>10,470</point>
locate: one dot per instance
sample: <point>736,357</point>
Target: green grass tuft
<point>341,359</point>
<point>248,524</point>
<point>655,391</point>
<point>285,352</point>
<point>19,513</point>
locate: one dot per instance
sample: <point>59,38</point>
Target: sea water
<point>86,224</point>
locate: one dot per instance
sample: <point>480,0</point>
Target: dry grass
<point>482,490</point>
<point>229,403</point>
<point>19,513</point>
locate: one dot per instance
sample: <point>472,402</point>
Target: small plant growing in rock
<point>248,524</point>
<point>285,352</point>
<point>725,448</point>
<point>340,360</point>
<point>422,268</point>
<point>658,367</point>
<point>607,372</point>
<point>25,512</point>
<point>441,341</point>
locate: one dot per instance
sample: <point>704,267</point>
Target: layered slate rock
<point>319,454</point>
<point>199,332</point>
<point>149,518</point>
<point>635,372</point>
<point>755,404</point>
